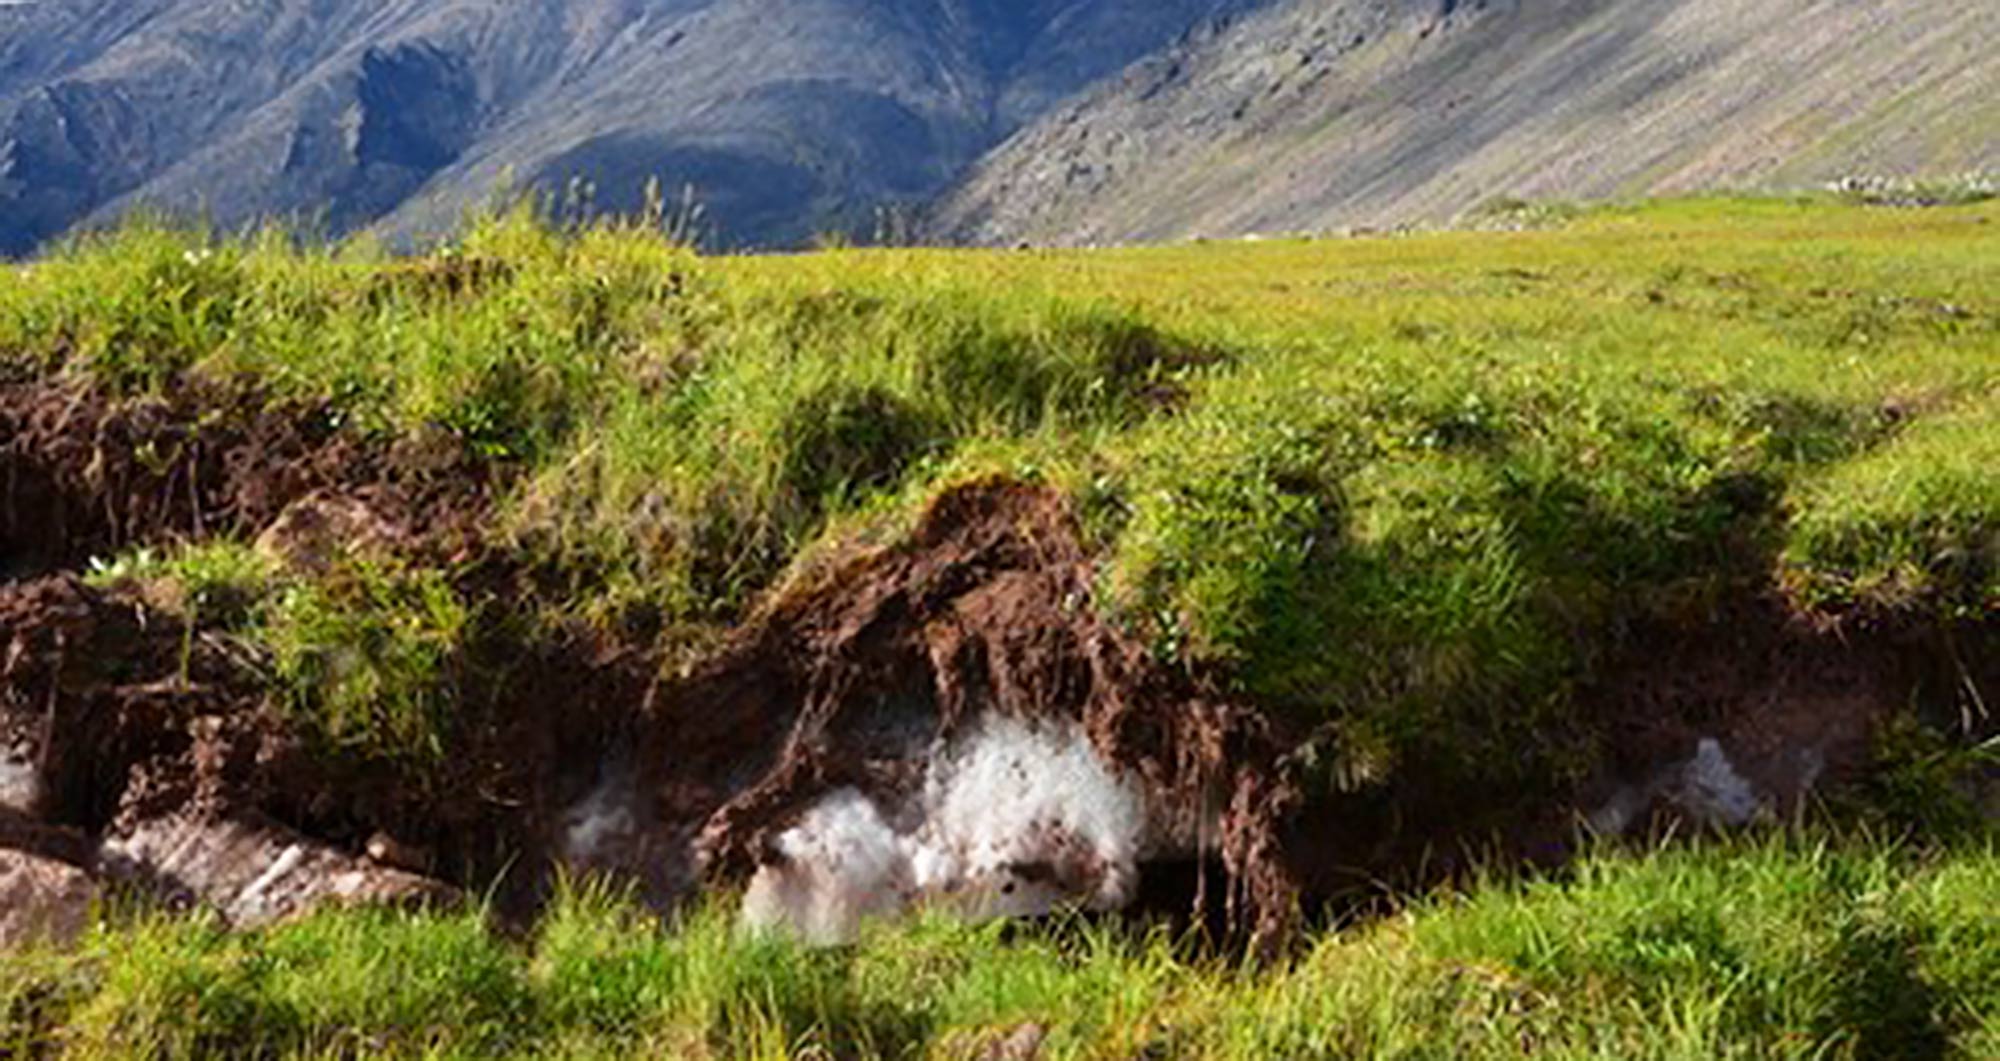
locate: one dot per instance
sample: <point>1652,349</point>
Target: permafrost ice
<point>1016,821</point>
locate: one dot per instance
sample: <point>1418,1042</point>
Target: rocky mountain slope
<point>1311,114</point>
<point>787,116</point>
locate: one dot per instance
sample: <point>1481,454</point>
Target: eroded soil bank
<point>144,750</point>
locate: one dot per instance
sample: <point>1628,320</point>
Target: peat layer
<point>143,748</point>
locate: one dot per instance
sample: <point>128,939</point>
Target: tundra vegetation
<point>1407,495</point>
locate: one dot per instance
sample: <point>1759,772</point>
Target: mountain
<point>785,116</point>
<point>1129,119</point>
<point>1317,114</point>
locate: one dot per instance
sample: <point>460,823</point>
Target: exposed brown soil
<point>881,656</point>
<point>150,748</point>
<point>154,759</point>
<point>83,474</point>
<point>120,727</point>
<point>155,744</point>
<point>1792,704</point>
<point>1796,708</point>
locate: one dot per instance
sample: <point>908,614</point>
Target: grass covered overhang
<point>1405,493</point>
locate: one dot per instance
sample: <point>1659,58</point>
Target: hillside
<point>786,116</point>
<point>1310,116</point>
<point>565,578</point>
<point>790,118</point>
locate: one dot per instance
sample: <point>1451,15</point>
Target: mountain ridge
<point>975,121</point>
<point>786,115</point>
<point>1308,116</point>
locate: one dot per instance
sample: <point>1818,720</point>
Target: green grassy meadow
<point>1473,460</point>
<point>1406,493</point>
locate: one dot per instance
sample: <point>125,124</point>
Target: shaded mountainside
<point>1314,115</point>
<point>790,117</point>
<point>786,116</point>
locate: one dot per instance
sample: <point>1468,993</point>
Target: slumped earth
<point>558,579</point>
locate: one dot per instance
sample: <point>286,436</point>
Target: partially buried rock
<point>256,873</point>
<point>42,900</point>
<point>315,531</point>
<point>1023,1042</point>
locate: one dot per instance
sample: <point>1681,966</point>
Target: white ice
<point>838,867</point>
<point>1017,820</point>
<point>1714,792</point>
<point>593,824</point>
<point>20,783</point>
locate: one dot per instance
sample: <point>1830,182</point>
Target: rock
<point>386,850</point>
<point>314,531</point>
<point>256,873</point>
<point>43,900</point>
<point>1024,1043</point>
